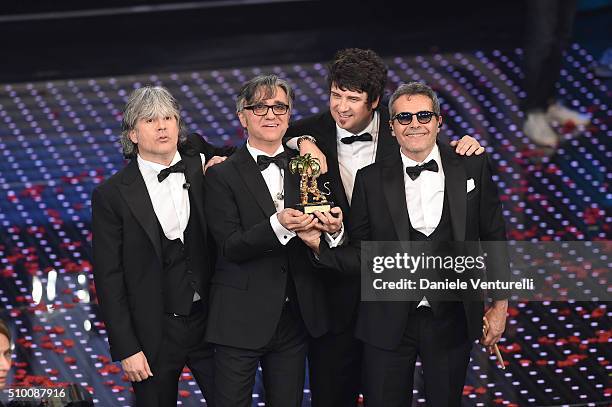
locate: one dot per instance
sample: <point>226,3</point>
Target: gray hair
<point>148,102</point>
<point>263,87</point>
<point>414,88</point>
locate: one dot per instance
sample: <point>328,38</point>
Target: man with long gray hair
<point>152,264</point>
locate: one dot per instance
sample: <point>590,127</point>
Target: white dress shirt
<point>353,157</point>
<point>170,200</point>
<point>274,178</point>
<point>425,197</point>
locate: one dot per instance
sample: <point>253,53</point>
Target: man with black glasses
<point>266,298</point>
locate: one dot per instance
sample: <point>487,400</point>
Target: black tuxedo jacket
<point>379,213</point>
<point>342,291</point>
<point>127,253</point>
<point>247,291</point>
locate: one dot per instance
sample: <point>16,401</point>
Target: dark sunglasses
<point>405,118</point>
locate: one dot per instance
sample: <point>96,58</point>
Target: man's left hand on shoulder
<point>213,161</point>
<point>467,146</point>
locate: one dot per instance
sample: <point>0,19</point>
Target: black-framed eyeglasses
<point>260,109</point>
<point>405,118</point>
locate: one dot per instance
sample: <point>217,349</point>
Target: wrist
<point>305,138</point>
<point>314,246</point>
<point>500,304</point>
<point>279,219</point>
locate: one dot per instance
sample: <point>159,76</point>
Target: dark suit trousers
<point>182,344</point>
<point>283,362</point>
<point>334,362</point>
<point>442,343</point>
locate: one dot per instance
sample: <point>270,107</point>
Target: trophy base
<point>311,207</point>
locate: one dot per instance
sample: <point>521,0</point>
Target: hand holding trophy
<point>311,197</point>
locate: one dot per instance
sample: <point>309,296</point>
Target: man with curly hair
<point>352,134</point>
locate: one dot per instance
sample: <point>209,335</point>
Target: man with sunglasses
<point>423,192</point>
<point>352,134</point>
<point>265,297</point>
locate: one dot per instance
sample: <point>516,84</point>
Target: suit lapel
<point>395,195</point>
<point>134,191</point>
<point>254,181</point>
<point>194,177</point>
<point>291,184</point>
<point>455,180</point>
<point>386,144</point>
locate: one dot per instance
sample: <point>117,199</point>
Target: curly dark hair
<point>358,69</point>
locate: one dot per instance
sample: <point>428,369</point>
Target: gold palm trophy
<point>311,197</point>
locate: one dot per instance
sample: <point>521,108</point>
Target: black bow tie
<point>414,172</point>
<point>264,161</point>
<point>360,137</point>
<point>178,167</point>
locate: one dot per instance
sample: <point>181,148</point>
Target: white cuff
<point>292,143</point>
<point>203,158</point>
<point>336,239</point>
<point>283,234</point>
